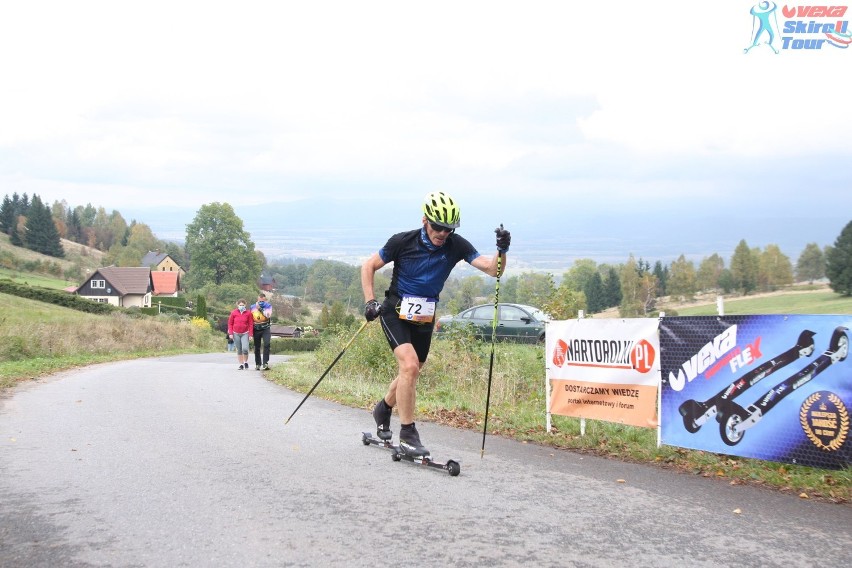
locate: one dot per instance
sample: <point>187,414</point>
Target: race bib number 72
<point>413,308</point>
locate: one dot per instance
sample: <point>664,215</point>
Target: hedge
<point>293,344</point>
<point>56,297</point>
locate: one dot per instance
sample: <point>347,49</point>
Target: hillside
<point>18,263</point>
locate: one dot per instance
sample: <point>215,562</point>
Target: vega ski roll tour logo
<point>799,27</point>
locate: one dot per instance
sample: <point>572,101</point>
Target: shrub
<point>201,323</point>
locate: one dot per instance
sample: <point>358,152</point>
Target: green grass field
<point>817,302</point>
<point>40,280</point>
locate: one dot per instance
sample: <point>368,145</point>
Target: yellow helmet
<point>440,209</point>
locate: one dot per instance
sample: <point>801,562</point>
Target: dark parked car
<point>515,322</point>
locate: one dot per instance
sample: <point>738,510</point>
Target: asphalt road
<point>186,461</point>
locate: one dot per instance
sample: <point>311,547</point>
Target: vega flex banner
<point>771,387</point>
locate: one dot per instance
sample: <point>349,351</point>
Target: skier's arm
<point>488,265</point>
<point>368,273</point>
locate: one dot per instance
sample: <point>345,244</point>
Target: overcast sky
<point>587,107</point>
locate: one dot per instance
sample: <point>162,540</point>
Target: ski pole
<point>336,359</point>
<point>491,363</point>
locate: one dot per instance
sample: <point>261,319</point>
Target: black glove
<point>372,309</point>
<point>504,238</point>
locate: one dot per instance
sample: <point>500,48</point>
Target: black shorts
<point>399,331</point>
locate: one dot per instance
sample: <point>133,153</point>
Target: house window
<point>98,283</point>
<point>101,300</point>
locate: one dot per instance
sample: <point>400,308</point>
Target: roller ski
<point>696,413</point>
<point>412,453</point>
<point>734,420</point>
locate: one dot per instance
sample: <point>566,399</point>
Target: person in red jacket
<point>241,328</point>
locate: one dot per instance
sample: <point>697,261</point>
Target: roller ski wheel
<point>729,424</point>
<point>452,467</point>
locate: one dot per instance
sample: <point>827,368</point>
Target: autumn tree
<point>774,269</point>
<point>709,271</point>
<point>682,279</point>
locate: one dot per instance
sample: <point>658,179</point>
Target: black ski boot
<point>382,415</point>
<point>409,442</point>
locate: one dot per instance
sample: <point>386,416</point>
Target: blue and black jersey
<point>419,267</point>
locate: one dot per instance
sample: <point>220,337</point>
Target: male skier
<point>423,259</point>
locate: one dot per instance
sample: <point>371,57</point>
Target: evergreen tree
<point>662,274</point>
<point>839,262</point>
<point>612,288</point>
<point>811,264</point>
<point>595,294</point>
<point>744,268</point>
<point>41,234</point>
<point>8,218</point>
<point>201,306</point>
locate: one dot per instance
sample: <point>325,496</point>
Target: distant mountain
<point>544,237</point>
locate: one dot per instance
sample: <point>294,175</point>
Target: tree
<point>612,288</point>
<point>535,289</point>
<point>564,303</point>
<point>744,268</point>
<point>8,216</point>
<point>811,264</point>
<point>580,273</point>
<point>682,282</point>
<point>631,293</point>
<point>595,294</point>
<point>201,307</point>
<point>839,262</point>
<point>774,269</point>
<point>218,248</point>
<point>662,274</point>
<point>709,272</point>
<point>41,234</point>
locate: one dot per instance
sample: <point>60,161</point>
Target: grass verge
<point>452,391</point>
<point>37,339</point>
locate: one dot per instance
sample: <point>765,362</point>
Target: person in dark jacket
<point>262,315</point>
<point>423,259</point>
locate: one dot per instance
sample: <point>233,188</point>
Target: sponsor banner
<point>770,387</point>
<point>604,369</point>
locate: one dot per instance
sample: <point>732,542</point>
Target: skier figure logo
<point>763,12</point>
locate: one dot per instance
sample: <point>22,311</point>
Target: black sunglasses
<point>440,228</point>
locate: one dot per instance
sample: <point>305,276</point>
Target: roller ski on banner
<point>398,453</point>
<point>696,413</point>
<point>734,420</point>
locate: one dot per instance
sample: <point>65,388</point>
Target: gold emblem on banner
<point>825,420</point>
